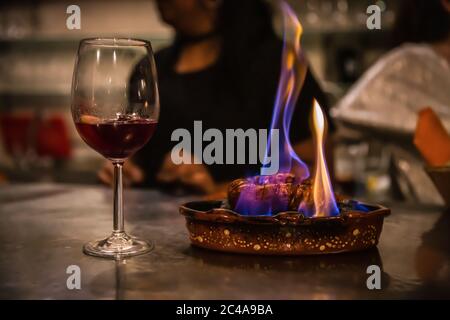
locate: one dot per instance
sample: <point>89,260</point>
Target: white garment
<point>396,87</point>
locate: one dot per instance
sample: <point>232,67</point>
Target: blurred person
<point>223,68</point>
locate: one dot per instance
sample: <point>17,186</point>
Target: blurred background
<point>38,141</point>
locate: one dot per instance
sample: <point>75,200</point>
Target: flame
<point>324,202</point>
<point>292,77</point>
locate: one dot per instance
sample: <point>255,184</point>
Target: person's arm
<point>132,174</point>
<point>194,177</point>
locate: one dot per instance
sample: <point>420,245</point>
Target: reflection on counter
<point>433,255</point>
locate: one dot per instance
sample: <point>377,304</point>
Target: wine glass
<point>115,107</point>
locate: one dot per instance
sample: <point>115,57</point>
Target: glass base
<point>117,246</point>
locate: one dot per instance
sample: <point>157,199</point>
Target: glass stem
<point>118,198</point>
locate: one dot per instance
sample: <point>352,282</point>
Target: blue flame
<point>292,77</point>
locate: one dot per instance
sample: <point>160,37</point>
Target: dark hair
<point>421,21</point>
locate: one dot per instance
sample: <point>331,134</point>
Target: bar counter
<point>43,228</point>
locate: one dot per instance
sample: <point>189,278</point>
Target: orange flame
<point>324,202</point>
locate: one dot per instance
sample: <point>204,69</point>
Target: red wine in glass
<point>116,138</point>
<point>115,108</point>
